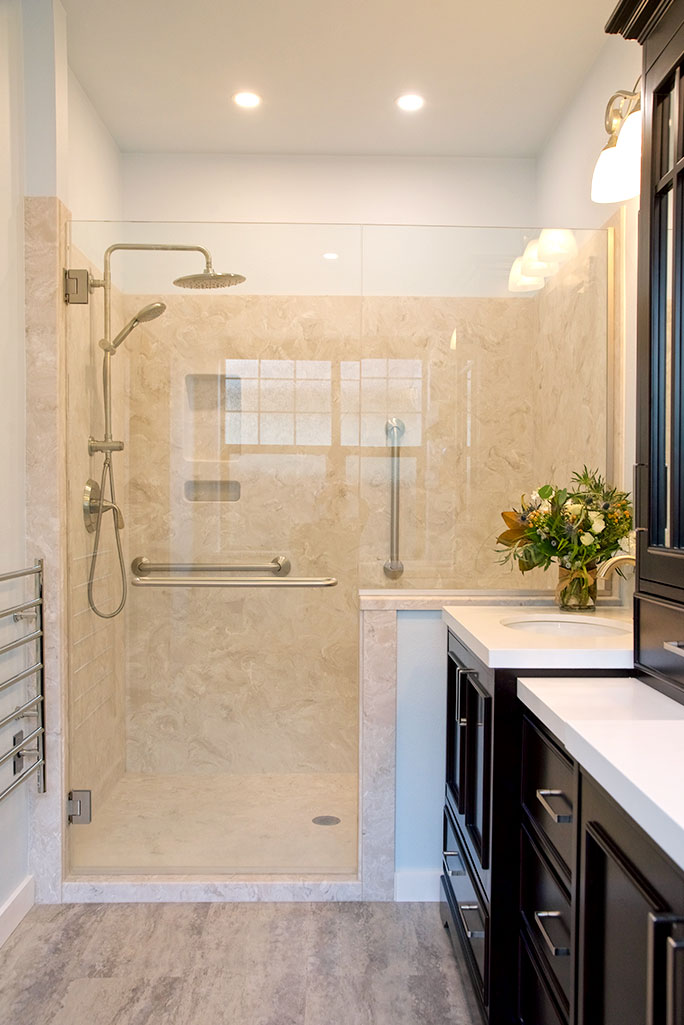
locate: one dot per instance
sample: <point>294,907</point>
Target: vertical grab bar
<point>394,429</point>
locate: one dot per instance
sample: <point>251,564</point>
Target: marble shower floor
<point>222,824</point>
<point>243,964</point>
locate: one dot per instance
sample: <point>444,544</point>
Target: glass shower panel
<point>499,392</point>
<point>228,722</point>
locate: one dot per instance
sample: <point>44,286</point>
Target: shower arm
<point>106,283</point>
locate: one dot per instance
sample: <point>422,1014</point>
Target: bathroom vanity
<point>563,857</point>
<point>488,648</point>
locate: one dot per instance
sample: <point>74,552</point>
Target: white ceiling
<point>495,73</point>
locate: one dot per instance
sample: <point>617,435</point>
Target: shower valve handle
<point>104,446</point>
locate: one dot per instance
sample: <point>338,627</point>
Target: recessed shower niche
<point>213,721</point>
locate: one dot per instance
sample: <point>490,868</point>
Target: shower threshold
<point>246,825</point>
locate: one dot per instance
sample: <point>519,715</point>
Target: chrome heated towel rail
<point>33,708</point>
<point>394,429</point>
<point>279,567</point>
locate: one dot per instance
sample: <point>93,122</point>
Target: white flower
<point>573,508</point>
<point>597,522</point>
<point>586,538</point>
<point>545,507</point>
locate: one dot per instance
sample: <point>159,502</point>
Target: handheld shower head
<point>150,312</point>
<point>208,278</point>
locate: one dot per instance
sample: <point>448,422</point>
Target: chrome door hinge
<point>76,286</point>
<point>79,807</point>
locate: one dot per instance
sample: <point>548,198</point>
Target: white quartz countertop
<point>484,631</point>
<point>626,735</point>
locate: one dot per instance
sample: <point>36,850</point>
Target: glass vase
<point>576,590</point>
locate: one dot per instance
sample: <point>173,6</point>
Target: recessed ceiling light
<point>410,102</point>
<point>247,99</point>
<point>331,256</point>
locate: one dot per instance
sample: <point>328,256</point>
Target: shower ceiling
<point>495,75</point>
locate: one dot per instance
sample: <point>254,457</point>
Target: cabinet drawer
<point>545,907</point>
<point>468,911</point>
<point>547,789</point>
<point>535,1004</point>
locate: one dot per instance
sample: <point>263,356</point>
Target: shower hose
<point>107,472</point>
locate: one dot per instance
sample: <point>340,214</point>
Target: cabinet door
<point>631,906</point>
<point>455,740</point>
<point>660,479</point>
<point>478,759</point>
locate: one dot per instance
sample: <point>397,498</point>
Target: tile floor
<point>236,824</point>
<point>233,964</point>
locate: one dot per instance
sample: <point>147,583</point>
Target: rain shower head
<point>150,312</point>
<point>208,278</point>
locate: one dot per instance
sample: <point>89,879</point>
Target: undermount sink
<point>564,625</point>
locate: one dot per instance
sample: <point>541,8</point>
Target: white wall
<point>566,164</point>
<point>329,190</point>
<point>95,185</point>
<point>421,705</point>
<point>564,171</point>
<point>16,892</point>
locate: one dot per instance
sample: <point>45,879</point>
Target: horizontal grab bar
<point>19,712</point>
<point>234,582</point>
<point>16,610</point>
<point>21,676</point>
<point>22,744</point>
<point>20,779</point>
<point>35,636</point>
<point>31,571</point>
<point>142,567</point>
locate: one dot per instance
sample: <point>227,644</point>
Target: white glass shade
<point>532,266</point>
<point>617,175</point>
<point>556,245</point>
<point>519,282</point>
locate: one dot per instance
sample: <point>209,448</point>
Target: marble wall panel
<point>259,679</point>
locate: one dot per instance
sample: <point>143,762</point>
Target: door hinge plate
<point>79,807</point>
<point>76,286</point>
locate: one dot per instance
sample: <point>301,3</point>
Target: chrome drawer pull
<point>450,871</point>
<point>675,647</point>
<point>541,797</point>
<point>471,934</point>
<point>555,951</point>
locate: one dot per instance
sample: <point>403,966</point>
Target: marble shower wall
<point>286,398</point>
<point>243,389</point>
<point>96,666</point>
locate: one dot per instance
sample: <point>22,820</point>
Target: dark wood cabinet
<point>631,920</point>
<point>659,476</point>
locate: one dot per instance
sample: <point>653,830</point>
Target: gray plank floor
<point>242,964</point>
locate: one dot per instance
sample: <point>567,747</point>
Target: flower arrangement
<point>578,527</point>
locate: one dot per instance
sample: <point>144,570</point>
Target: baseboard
<point>15,907</point>
<point>423,886</point>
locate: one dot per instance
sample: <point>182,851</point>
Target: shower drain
<point>326,820</point>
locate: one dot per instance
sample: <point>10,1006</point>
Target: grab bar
<point>394,429</point>
<point>234,582</point>
<point>142,567</point>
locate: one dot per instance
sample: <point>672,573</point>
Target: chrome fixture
<point>94,502</point>
<point>277,567</point>
<point>394,430</point>
<point>610,565</point>
<point>617,174</point>
<point>34,707</point>
<point>142,567</point>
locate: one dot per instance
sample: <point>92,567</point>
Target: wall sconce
<point>617,175</point>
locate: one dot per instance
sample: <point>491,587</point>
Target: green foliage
<point>577,527</point>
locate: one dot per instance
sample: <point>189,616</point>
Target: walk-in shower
<point>282,442</point>
<point>94,502</point>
